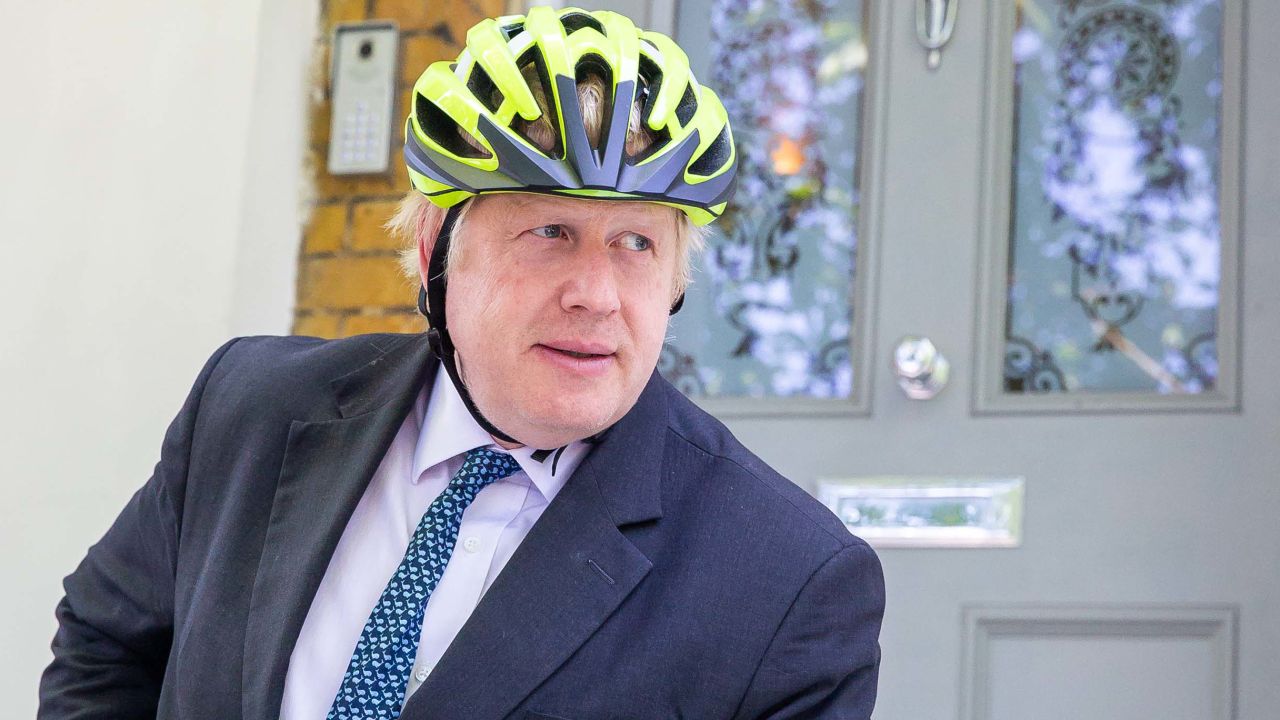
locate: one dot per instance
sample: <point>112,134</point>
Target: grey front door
<point>1077,207</point>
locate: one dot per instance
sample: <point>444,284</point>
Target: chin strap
<point>431,305</point>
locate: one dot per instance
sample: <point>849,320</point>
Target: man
<point>546,529</point>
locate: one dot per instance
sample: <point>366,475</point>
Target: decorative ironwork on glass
<point>770,311</point>
<point>1116,252</point>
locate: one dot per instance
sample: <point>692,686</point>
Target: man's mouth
<point>577,358</point>
<point>579,350</point>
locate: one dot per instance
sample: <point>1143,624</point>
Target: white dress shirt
<point>417,467</point>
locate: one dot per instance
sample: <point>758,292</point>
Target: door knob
<point>921,369</point>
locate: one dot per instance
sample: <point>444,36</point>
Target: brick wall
<point>348,278</point>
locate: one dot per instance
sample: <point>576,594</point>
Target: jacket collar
<point>627,462</point>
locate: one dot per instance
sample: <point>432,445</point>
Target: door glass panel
<point>1115,250</point>
<point>769,312</point>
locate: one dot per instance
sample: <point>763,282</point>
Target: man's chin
<point>549,426</point>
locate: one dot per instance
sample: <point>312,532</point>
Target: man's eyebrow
<point>526,200</point>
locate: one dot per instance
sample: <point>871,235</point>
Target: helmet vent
<point>444,130</point>
<point>512,30</point>
<point>575,21</point>
<point>714,157</point>
<point>483,87</point>
<point>650,76</point>
<point>534,71</point>
<point>660,140</point>
<point>688,106</point>
<point>594,65</point>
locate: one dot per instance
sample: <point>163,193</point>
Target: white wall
<point>148,211</point>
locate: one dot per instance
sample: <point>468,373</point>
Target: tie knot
<point>482,466</point>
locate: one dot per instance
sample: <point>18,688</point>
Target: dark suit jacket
<point>675,575</point>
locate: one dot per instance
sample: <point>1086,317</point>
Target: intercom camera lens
<point>366,48</point>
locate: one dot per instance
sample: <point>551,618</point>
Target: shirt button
<point>421,674</point>
<point>471,544</point>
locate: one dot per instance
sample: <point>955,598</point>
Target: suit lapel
<point>327,466</point>
<point>571,572</point>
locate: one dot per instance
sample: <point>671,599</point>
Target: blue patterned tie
<point>375,681</point>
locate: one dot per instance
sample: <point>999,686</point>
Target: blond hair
<point>417,218</point>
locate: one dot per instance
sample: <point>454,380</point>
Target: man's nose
<point>591,285</point>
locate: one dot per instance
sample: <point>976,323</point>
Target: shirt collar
<point>448,430</point>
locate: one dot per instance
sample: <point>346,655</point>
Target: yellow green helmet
<point>466,133</point>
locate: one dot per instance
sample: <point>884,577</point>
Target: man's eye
<point>548,231</point>
<point>632,241</point>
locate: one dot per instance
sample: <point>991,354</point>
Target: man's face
<point>558,308</point>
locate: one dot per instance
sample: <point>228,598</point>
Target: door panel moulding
<point>1216,625</point>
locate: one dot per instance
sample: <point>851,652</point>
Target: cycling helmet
<point>464,135</point>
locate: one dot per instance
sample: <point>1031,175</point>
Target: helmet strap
<point>431,305</point>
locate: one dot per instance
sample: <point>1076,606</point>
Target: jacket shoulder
<point>731,467</point>
<point>288,373</point>
<point>291,354</point>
